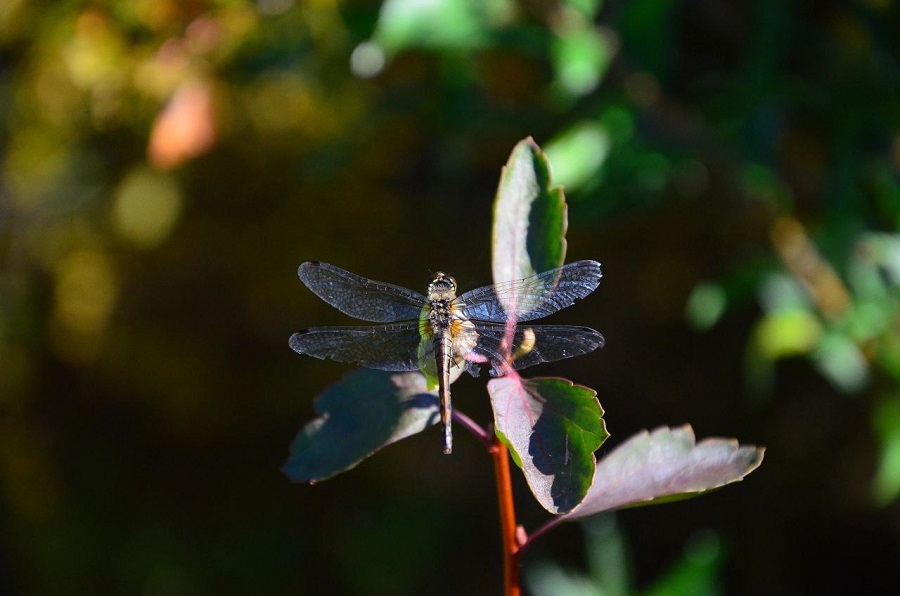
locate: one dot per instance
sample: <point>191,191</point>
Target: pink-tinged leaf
<point>665,465</point>
<point>552,428</point>
<point>367,410</point>
<point>530,217</point>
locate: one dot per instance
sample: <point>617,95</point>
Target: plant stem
<point>474,428</point>
<point>540,532</point>
<point>500,455</point>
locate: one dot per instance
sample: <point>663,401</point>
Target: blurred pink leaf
<point>185,128</point>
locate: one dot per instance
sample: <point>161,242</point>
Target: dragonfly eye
<point>442,283</point>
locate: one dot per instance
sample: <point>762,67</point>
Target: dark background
<point>166,166</point>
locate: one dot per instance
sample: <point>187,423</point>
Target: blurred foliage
<point>166,165</point>
<point>695,572</point>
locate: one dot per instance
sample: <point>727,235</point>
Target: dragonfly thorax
<point>441,294</point>
<point>440,315</point>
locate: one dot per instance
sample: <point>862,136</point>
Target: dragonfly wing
<point>533,297</point>
<point>359,297</point>
<point>536,344</point>
<point>383,347</point>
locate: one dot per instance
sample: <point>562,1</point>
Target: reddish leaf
<point>530,217</point>
<point>665,465</point>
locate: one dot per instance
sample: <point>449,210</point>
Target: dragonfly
<point>442,334</point>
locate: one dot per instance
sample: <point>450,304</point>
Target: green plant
<point>550,427</point>
<point>609,562</point>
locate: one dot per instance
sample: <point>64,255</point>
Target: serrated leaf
<point>552,428</point>
<point>530,217</point>
<point>665,465</point>
<point>367,410</point>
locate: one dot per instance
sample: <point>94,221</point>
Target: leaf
<point>886,421</point>
<point>665,465</point>
<point>448,24</point>
<point>367,410</point>
<point>580,58</point>
<point>186,128</point>
<point>530,217</point>
<point>697,572</point>
<point>579,152</point>
<point>552,428</point>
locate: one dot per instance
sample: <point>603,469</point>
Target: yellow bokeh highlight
<point>147,207</point>
<point>86,293</point>
<point>13,13</point>
<point>96,53</point>
<point>35,160</point>
<point>158,74</point>
<point>791,332</point>
<point>52,97</point>
<point>285,104</point>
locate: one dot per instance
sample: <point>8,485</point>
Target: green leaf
<point>696,573</point>
<point>580,58</point>
<point>665,465</point>
<point>579,153</point>
<point>530,217</point>
<point>841,361</point>
<point>887,426</point>
<point>448,24</point>
<point>706,305</point>
<point>367,410</point>
<point>786,333</point>
<point>552,427</point>
<point>587,8</point>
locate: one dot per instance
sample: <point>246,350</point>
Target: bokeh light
<point>147,207</point>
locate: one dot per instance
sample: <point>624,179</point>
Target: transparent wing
<point>359,297</point>
<point>383,347</point>
<point>533,297</point>
<point>536,344</point>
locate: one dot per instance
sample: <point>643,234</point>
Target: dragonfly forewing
<point>359,297</point>
<point>534,297</point>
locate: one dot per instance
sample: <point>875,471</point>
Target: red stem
<point>473,428</point>
<point>500,455</point>
<point>539,532</point>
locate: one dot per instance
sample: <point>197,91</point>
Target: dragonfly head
<point>442,286</point>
